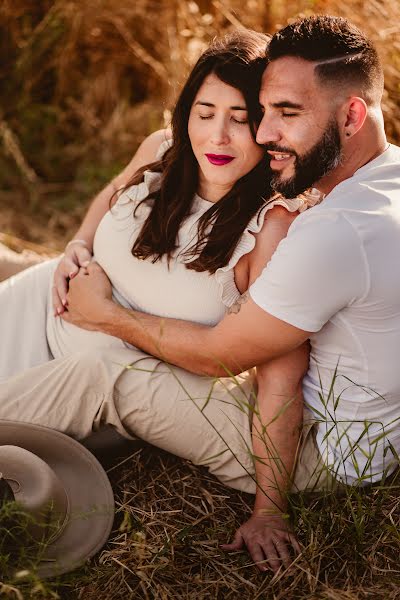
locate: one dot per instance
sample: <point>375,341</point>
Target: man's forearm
<point>275,434</point>
<point>237,343</point>
<point>180,343</point>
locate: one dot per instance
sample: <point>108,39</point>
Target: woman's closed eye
<point>234,119</point>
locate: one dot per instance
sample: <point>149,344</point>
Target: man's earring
<point>348,134</point>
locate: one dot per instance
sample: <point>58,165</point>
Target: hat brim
<point>89,492</point>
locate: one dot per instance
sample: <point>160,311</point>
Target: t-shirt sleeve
<point>316,271</point>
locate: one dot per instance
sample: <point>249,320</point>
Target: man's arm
<point>277,421</point>
<point>240,341</point>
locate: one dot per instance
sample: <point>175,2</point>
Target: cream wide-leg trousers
<point>197,418</point>
<point>194,417</point>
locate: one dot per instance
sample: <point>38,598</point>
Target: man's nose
<point>267,131</point>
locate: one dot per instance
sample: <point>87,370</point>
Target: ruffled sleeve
<point>151,181</point>
<point>163,148</point>
<point>123,211</point>
<point>225,276</point>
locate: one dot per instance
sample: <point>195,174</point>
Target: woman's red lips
<point>219,159</point>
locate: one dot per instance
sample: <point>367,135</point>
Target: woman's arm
<point>78,252</point>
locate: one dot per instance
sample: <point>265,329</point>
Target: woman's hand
<point>76,255</point>
<point>269,541</point>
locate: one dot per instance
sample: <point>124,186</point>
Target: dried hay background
<point>82,83</point>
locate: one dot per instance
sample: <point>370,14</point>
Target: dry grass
<point>171,518</point>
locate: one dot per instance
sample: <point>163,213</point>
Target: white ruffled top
<point>173,290</point>
<point>166,290</point>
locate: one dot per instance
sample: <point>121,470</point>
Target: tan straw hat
<point>63,487</point>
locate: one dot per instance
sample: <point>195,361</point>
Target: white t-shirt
<point>337,275</point>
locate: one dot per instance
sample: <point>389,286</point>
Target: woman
<point>179,240</point>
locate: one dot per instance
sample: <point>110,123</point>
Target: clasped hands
<point>89,298</point>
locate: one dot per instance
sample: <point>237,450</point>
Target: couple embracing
<point>261,233</point>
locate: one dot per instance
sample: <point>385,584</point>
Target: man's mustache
<point>282,149</point>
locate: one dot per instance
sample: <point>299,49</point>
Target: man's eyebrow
<point>287,104</point>
<point>209,104</point>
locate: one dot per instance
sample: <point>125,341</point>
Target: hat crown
<point>36,488</point>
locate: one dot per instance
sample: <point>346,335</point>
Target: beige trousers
<point>198,418</point>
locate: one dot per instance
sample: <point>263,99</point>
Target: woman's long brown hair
<point>238,60</point>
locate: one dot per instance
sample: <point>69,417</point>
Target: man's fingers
<point>283,552</point>
<point>258,554</point>
<point>295,544</point>
<point>272,557</point>
<point>237,543</point>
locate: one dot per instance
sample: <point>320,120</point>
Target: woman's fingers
<point>57,302</point>
<point>67,269</point>
<point>83,256</point>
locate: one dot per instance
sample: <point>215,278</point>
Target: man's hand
<point>89,298</point>
<point>269,540</point>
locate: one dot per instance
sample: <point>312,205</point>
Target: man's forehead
<point>290,77</point>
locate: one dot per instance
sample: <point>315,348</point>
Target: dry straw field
<point>82,83</point>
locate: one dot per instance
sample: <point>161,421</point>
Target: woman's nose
<point>220,134</point>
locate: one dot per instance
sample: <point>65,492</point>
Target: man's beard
<point>309,168</point>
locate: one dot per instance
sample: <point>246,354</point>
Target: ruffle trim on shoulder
<point>151,181</point>
<point>225,276</point>
<point>163,148</point>
<point>136,193</point>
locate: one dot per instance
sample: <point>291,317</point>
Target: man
<point>329,280</point>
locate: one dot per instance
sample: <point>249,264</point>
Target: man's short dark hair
<point>343,54</point>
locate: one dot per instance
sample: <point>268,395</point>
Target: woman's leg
<point>23,313</point>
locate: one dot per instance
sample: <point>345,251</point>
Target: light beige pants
<point>197,418</point>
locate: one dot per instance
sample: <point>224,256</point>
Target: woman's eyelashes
<point>234,119</point>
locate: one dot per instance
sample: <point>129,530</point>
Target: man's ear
<point>354,113</point>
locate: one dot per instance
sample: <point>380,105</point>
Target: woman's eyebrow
<point>209,104</point>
